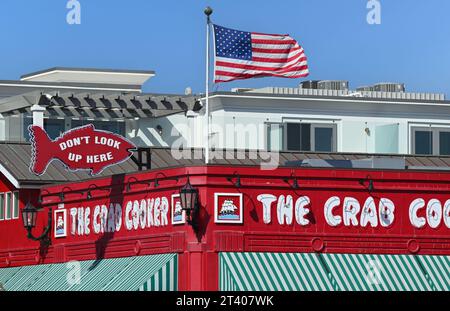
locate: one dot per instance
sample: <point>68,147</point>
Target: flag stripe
<point>236,71</point>
<point>275,51</point>
<point>262,68</point>
<point>267,63</point>
<point>297,58</point>
<point>289,41</point>
<point>262,75</point>
<point>244,55</point>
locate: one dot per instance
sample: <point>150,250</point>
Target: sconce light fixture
<point>92,188</point>
<point>62,196</point>
<point>189,203</point>
<point>156,181</point>
<point>369,181</point>
<point>236,176</point>
<point>295,184</point>
<point>29,217</point>
<point>137,182</point>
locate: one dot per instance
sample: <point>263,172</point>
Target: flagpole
<point>208,11</point>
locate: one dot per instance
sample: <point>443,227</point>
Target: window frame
<point>267,139</point>
<point>435,141</point>
<point>7,205</point>
<point>15,201</point>
<point>2,206</point>
<point>333,127</point>
<point>313,126</point>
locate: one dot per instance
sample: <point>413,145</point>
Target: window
<point>274,138</point>
<point>444,143</point>
<point>310,137</point>
<point>27,121</point>
<point>54,127</point>
<point>323,139</point>
<point>430,141</point>
<point>15,205</point>
<point>110,126</point>
<point>2,206</point>
<point>8,206</point>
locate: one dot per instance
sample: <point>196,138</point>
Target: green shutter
<point>8,205</point>
<point>2,206</point>
<point>119,274</point>
<point>16,205</point>
<point>324,272</point>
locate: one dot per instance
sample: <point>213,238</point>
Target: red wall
<point>198,252</point>
<point>12,233</point>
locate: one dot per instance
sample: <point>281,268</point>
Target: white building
<point>318,116</point>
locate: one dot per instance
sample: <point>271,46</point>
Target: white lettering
<point>415,206</point>
<point>73,214</point>
<point>351,210</point>
<point>369,214</point>
<point>386,212</point>
<point>301,211</point>
<point>111,226</point>
<point>95,219</point>
<point>285,210</point>
<point>434,213</point>
<point>156,212</point>
<point>267,200</point>
<point>329,217</point>
<point>447,213</point>
<point>87,221</point>
<point>164,208</point>
<point>128,222</point>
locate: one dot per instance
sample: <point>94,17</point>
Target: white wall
<point>2,129</point>
<point>176,129</point>
<point>234,117</point>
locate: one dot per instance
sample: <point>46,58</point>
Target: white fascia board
<point>10,177</point>
<point>344,100</point>
<point>71,87</point>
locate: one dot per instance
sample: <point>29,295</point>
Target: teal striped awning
<point>119,274</point>
<point>328,272</point>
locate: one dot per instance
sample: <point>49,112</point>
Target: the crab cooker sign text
<point>355,213</point>
<point>284,210</point>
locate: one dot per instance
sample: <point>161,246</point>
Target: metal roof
<point>98,105</point>
<point>90,75</point>
<point>117,274</point>
<point>15,159</point>
<point>325,272</point>
<point>331,95</point>
<point>94,70</point>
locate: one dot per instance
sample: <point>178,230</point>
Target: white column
<point>38,115</point>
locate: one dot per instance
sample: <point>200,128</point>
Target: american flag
<point>244,55</point>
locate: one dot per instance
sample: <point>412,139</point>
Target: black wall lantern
<point>295,184</point>
<point>189,203</point>
<point>237,184</point>
<point>29,217</point>
<point>370,187</point>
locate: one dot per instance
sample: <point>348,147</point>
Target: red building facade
<point>249,216</point>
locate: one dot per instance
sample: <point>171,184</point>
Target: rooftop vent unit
<point>337,85</point>
<point>241,90</point>
<point>367,88</point>
<point>389,87</point>
<point>311,84</point>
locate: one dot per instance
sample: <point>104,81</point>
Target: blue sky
<point>412,44</point>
